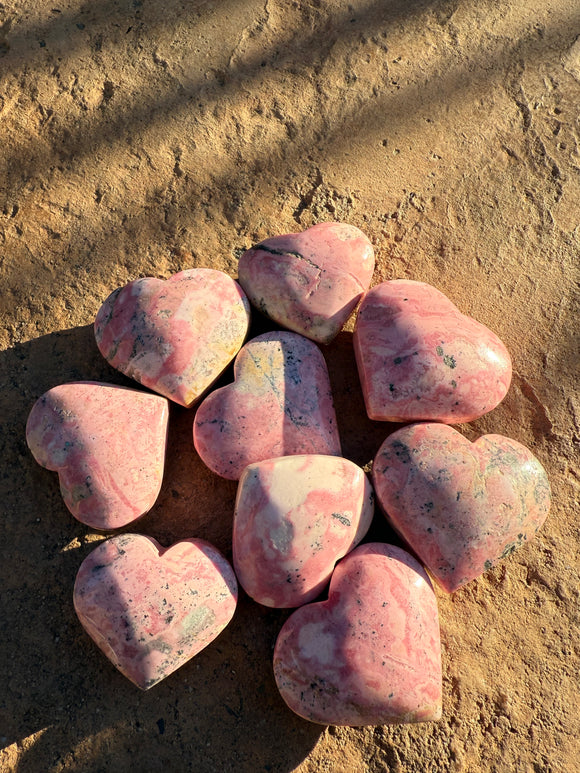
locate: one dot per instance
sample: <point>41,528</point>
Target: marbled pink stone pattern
<point>309,282</point>
<point>420,359</point>
<point>107,444</point>
<point>371,654</point>
<point>280,404</point>
<point>461,506</point>
<point>174,336</point>
<point>295,517</point>
<point>150,609</point>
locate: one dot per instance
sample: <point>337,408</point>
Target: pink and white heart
<point>309,282</point>
<point>280,404</point>
<point>295,517</point>
<point>175,336</point>
<point>420,359</point>
<point>107,444</point>
<point>460,506</point>
<point>369,655</point>
<point>151,609</point>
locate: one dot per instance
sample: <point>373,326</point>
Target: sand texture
<point>142,138</point>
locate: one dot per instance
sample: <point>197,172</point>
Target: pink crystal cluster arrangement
<point>368,653</point>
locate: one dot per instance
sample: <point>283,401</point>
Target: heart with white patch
<point>309,282</point>
<point>151,609</point>
<point>371,654</point>
<point>175,336</point>
<point>280,404</point>
<point>420,359</point>
<point>295,517</point>
<point>107,444</point>
<point>461,506</point>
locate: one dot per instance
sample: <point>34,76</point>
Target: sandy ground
<point>140,138</point>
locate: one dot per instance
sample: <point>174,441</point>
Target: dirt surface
<point>141,138</point>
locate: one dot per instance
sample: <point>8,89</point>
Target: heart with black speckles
<point>309,282</point>
<point>175,336</point>
<point>371,653</point>
<point>420,359</point>
<point>151,609</point>
<point>280,404</point>
<point>295,517</point>
<point>461,506</point>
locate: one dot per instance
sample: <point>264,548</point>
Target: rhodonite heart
<point>419,358</point>
<point>309,282</point>
<point>150,609</point>
<point>279,404</point>
<point>369,655</point>
<point>107,444</point>
<point>174,336</point>
<point>461,506</point>
<point>295,517</point>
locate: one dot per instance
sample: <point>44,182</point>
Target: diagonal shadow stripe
<point>25,39</point>
<point>311,51</point>
<point>389,109</point>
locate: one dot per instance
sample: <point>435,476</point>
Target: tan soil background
<point>141,138</point>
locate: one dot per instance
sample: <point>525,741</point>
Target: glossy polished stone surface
<point>107,444</point>
<point>175,336</point>
<point>309,282</point>
<point>295,517</point>
<point>420,359</point>
<point>279,404</point>
<point>461,506</point>
<point>371,654</point>
<point>150,609</point>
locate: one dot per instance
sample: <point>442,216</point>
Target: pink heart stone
<point>369,655</point>
<point>295,517</point>
<point>280,404</point>
<point>107,444</point>
<point>309,282</point>
<point>151,609</point>
<point>461,506</point>
<point>419,358</point>
<point>174,336</point>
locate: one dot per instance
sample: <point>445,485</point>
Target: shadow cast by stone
<point>227,688</point>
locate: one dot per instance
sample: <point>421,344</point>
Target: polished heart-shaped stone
<point>295,517</point>
<point>107,444</point>
<point>371,654</point>
<point>150,609</point>
<point>461,506</point>
<point>309,282</point>
<point>175,336</point>
<point>279,404</point>
<point>419,358</point>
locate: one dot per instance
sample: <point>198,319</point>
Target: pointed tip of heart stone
<point>460,506</point>
<point>369,655</point>
<point>107,444</point>
<point>420,359</point>
<point>151,609</point>
<point>309,282</point>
